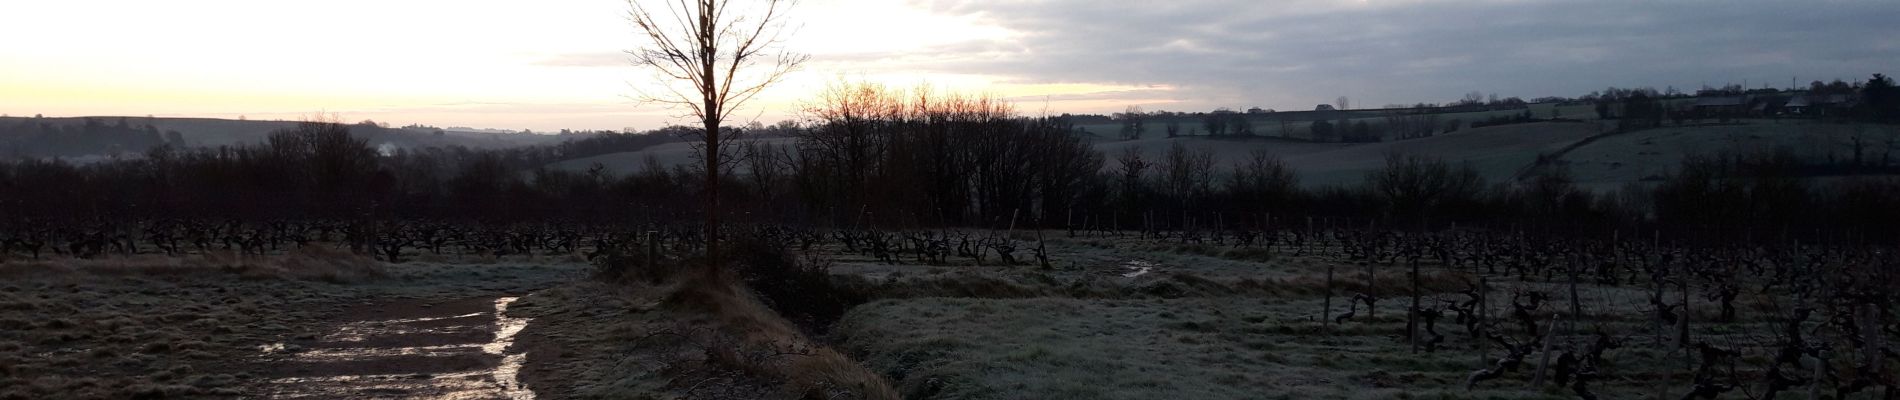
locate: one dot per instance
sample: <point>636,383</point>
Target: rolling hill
<point>1498,152</point>
<point>208,132</point>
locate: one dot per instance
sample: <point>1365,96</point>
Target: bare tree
<point>1342,103</point>
<point>1132,171</point>
<point>1263,180</point>
<point>1413,185</point>
<point>723,57</point>
<point>1185,173</point>
<point>1134,123</point>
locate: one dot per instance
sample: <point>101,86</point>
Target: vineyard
<point>1348,305</point>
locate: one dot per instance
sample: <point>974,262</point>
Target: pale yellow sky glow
<point>513,64</point>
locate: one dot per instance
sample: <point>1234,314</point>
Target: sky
<point>552,64</point>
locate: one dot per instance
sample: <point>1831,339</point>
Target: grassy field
<point>1651,154</point>
<point>1207,322</point>
<point>1298,124</point>
<point>1498,152</point>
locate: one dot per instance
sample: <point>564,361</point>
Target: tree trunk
<point>713,266</point>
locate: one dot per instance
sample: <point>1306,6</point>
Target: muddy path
<point>403,349</point>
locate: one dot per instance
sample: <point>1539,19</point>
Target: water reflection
<point>332,366</point>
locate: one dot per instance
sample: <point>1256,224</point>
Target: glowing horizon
<point>483,64</point>
<point>550,65</point>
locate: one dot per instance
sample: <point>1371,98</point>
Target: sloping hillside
<point>668,155</point>
<point>1650,154</point>
<point>208,132</point>
<point>1497,152</point>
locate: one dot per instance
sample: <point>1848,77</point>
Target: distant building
<point>1818,104</point>
<point>1324,107</point>
<point>1257,110</point>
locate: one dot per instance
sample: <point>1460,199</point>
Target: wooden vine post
<point>1326,310</point>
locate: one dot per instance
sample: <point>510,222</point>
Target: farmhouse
<point>1818,104</point>
<point>1767,105</point>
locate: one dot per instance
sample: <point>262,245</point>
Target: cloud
<point>1293,54</point>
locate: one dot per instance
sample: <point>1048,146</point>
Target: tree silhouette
<point>726,57</point>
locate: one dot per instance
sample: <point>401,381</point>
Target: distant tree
<point>1186,174</point>
<point>1215,122</point>
<point>1173,127</point>
<point>1412,187</point>
<point>1640,111</point>
<point>1362,132</point>
<point>1239,124</point>
<point>1473,98</point>
<point>1263,180</point>
<point>1132,174</point>
<point>1134,122</point>
<point>1880,98</point>
<point>1322,131</point>
<point>1342,103</point>
<point>1831,88</point>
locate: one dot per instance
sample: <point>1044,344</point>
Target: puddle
<point>1137,268</point>
<point>508,374</point>
<point>363,330</point>
<point>459,356</point>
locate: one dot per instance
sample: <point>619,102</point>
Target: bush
<point>803,291</point>
<point>617,264</point>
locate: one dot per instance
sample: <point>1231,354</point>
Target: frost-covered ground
<point>1208,322</point>
<point>199,327</point>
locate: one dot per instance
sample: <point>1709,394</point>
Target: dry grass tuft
<point>319,263</point>
<point>815,372</point>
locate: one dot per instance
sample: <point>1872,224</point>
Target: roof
<point>1810,100</point>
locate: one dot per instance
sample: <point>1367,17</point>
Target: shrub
<point>802,291</point>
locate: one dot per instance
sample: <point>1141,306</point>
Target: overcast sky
<point>549,64</point>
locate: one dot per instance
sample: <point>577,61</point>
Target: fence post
<point>1820,363</point>
<point>1411,315</point>
<point>1484,313</point>
<point>1550,335</point>
<point>1326,313</point>
<point>653,251</point>
<point>1372,289</point>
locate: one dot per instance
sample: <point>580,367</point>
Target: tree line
<point>871,156</point>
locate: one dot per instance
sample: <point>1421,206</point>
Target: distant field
<point>1650,154</point>
<point>1496,152</point>
<point>1298,123</point>
<point>1499,153</point>
<point>669,154</point>
<point>211,132</point>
